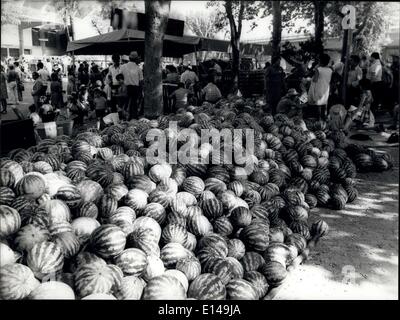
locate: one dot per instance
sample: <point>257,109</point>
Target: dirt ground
<point>358,259</point>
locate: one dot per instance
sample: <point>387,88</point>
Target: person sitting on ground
<point>289,104</point>
<point>364,116</point>
<point>33,115</point>
<point>210,92</point>
<point>340,119</point>
<point>100,104</point>
<point>46,111</point>
<point>180,96</point>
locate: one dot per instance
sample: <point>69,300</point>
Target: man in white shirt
<point>44,76</point>
<point>114,69</point>
<point>189,75</point>
<point>133,78</point>
<point>374,74</point>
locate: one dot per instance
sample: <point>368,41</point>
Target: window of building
<point>14,52</point>
<point>4,53</point>
<point>27,51</point>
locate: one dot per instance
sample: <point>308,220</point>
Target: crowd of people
<point>315,90</point>
<point>309,90</point>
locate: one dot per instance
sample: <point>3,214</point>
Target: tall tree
<point>232,13</point>
<point>157,13</point>
<point>203,25</point>
<point>277,28</point>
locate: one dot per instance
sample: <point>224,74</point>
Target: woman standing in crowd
<point>318,94</point>
<point>44,77</point>
<point>274,83</point>
<point>56,92</point>
<point>12,80</point>
<point>37,88</point>
<point>71,86</point>
<point>3,91</point>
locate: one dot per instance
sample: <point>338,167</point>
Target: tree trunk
<point>235,38</point>
<point>71,21</point>
<point>235,59</point>
<point>21,39</point>
<point>319,7</point>
<point>157,13</point>
<point>277,28</point>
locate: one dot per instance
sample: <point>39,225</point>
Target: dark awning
<point>125,41</point>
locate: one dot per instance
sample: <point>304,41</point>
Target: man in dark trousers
<point>133,78</point>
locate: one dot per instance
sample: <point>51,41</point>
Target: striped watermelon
<point>252,261</point>
<point>319,228</point>
<point>14,168</point>
<point>93,279</point>
<point>45,259</point>
<point>57,210</point>
<point>108,206</point>
<point>69,243</point>
<point>147,223</point>
<point>222,226</point>
<point>88,209</point>
<point>174,233</point>
<point>155,211</point>
<point>164,287</point>
<point>117,190</point>
<point>17,281</point>
<point>70,195</point>
<point>141,182</point>
<point>199,225</point>
<point>237,187</point>
<point>7,178</point>
<point>278,252</point>
<point>136,199</point>
<point>172,252</point>
<point>215,185</point>
<point>193,185</point>
<point>212,208</point>
<point>220,267</point>
<point>258,281</point>
<point>83,227</point>
<point>154,268</point>
<point>31,186</point>
<point>276,235</point>
<point>30,235</point>
<point>108,240</point>
<point>52,290</point>
<point>191,242</point>
<point>131,261</point>
<point>236,267</point>
<point>255,236</point>
<point>190,266</point>
<point>180,276</point>
<point>274,272</point>
<point>161,197</point>
<point>90,191</point>
<point>7,196</point>
<point>300,227</point>
<point>240,289</point>
<point>236,248</point>
<point>240,217</point>
<point>10,221</point>
<point>207,286</point>
<point>131,288</point>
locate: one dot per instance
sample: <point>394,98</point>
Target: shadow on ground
<point>358,259</point>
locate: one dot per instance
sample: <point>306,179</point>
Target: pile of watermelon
<point>91,217</point>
